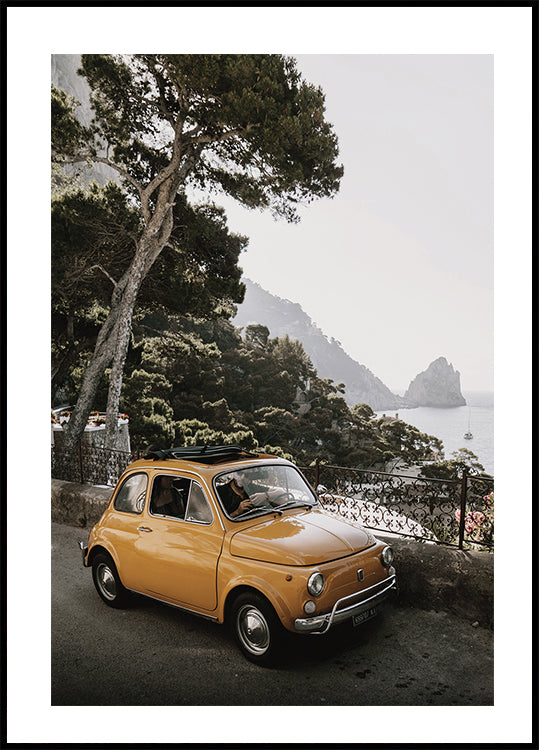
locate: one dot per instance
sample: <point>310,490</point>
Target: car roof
<point>203,459</point>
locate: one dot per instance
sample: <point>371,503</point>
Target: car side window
<point>169,496</point>
<point>198,508</point>
<point>131,495</point>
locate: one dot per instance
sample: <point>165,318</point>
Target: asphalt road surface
<point>152,654</point>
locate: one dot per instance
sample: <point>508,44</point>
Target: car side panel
<point>119,534</point>
<point>177,560</point>
<point>286,596</point>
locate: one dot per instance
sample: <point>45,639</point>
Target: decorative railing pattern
<point>456,512</point>
<point>88,463</point>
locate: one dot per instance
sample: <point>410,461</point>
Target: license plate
<point>358,619</point>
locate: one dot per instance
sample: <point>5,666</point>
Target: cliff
<point>64,76</point>
<point>327,355</point>
<point>438,386</point>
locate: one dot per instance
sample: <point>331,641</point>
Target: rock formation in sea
<point>438,386</point>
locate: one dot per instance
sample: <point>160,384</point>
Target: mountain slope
<point>329,358</point>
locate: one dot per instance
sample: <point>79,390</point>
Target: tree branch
<point>88,157</point>
<point>225,136</point>
<point>103,160</point>
<point>100,267</point>
<point>167,114</point>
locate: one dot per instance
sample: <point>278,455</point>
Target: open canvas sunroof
<point>202,453</point>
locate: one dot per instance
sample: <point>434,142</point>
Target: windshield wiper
<point>295,504</point>
<point>258,510</point>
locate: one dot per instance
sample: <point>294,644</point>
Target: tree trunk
<point>92,376</point>
<point>101,358</point>
<point>113,339</point>
<point>153,240</point>
<point>115,388</point>
<point>121,346</point>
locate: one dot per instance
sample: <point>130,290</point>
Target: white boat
<point>468,435</point>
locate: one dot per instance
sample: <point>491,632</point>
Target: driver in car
<point>241,494</point>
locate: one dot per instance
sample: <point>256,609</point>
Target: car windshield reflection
<point>257,490</point>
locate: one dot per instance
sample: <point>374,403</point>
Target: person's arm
<point>244,505</point>
<point>274,494</point>
<point>264,495</point>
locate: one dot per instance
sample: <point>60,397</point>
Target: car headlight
<point>316,584</point>
<point>387,556</point>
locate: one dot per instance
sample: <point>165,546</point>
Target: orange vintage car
<point>236,537</point>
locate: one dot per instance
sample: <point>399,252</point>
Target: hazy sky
<point>399,265</point>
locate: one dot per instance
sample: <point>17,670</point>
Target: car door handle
<point>144,528</point>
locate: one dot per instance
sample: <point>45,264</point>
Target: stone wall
<point>429,576</point>
<point>78,504</point>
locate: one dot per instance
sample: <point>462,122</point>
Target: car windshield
<point>256,490</point>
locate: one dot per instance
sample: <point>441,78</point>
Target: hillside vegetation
<point>190,381</point>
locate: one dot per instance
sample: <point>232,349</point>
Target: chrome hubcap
<point>253,629</point>
<point>107,582</point>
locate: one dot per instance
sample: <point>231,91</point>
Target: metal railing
<point>454,512</point>
<point>89,464</point>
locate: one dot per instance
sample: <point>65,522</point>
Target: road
<point>152,654</point>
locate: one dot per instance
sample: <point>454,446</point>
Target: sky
<point>381,199</point>
<point>399,265</point>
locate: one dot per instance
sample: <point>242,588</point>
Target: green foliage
<point>68,136</point>
<point>257,335</point>
<point>275,450</point>
<point>257,128</point>
<point>195,432</point>
<point>91,241</point>
<point>92,233</point>
<point>362,412</point>
<point>247,125</point>
<point>452,468</point>
<point>406,440</point>
<point>93,236</point>
<point>261,393</point>
<point>153,418</point>
<point>198,268</point>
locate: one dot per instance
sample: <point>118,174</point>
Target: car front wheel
<point>257,629</point>
<point>107,581</point>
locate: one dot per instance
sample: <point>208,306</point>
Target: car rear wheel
<point>257,629</point>
<point>107,581</point>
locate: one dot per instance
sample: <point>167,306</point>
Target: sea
<point>449,425</point>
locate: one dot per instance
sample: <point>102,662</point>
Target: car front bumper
<point>343,609</point>
<point>84,552</point>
